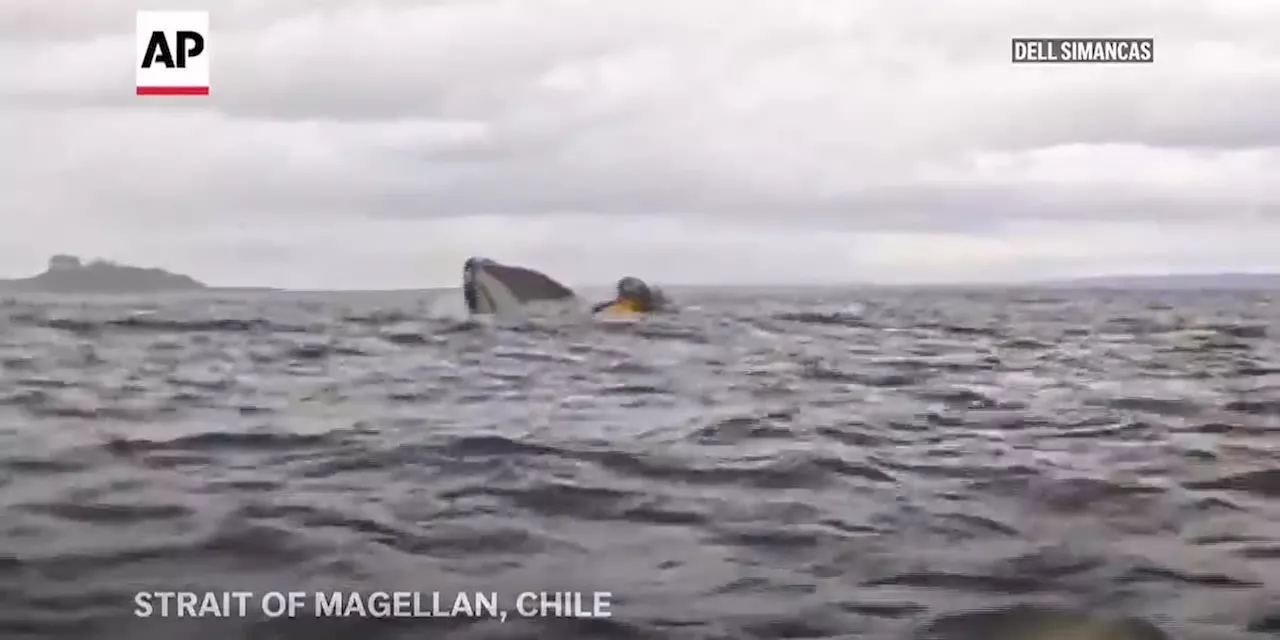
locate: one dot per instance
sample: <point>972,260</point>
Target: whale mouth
<point>489,287</point>
<point>470,290</point>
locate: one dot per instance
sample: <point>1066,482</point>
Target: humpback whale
<point>490,287</point>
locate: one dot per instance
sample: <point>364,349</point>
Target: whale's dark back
<point>528,285</point>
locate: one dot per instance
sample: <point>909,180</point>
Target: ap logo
<point>172,53</point>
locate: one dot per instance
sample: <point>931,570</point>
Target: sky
<point>376,144</point>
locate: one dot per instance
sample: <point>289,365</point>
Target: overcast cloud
<point>376,144</point>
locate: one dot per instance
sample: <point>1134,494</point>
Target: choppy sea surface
<point>804,464</point>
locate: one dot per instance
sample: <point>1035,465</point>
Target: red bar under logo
<point>173,91</point>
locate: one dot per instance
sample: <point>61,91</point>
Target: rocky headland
<point>70,274</point>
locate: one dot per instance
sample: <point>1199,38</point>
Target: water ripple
<point>1003,465</point>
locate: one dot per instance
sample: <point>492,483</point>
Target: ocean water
<point>804,464</point>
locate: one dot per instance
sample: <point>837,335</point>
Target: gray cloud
<point>446,127</point>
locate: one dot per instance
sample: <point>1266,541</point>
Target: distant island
<point>69,274</point>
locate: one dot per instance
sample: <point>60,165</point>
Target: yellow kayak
<point>621,310</point>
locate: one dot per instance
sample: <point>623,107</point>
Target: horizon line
<point>1053,281</point>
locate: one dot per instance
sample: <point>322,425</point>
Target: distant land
<point>1162,282</point>
<point>69,274</point>
<point>1210,281</point>
<point>1168,282</point>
